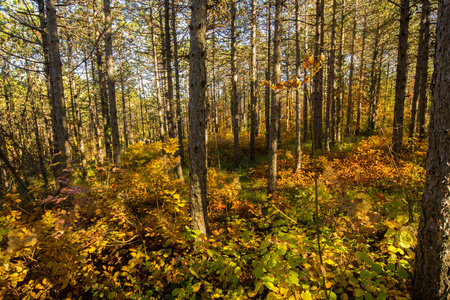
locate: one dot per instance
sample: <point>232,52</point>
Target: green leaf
<point>264,244</point>
<point>368,296</point>
<point>359,293</point>
<point>390,267</point>
<point>258,273</point>
<point>272,263</point>
<point>402,219</point>
<point>270,285</point>
<point>282,249</point>
<point>377,268</point>
<point>390,232</point>
<point>382,296</point>
<point>402,273</point>
<point>293,278</point>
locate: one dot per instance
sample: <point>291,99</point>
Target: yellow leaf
<point>196,287</point>
<point>306,295</point>
<point>322,57</point>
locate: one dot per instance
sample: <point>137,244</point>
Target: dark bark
<point>348,127</point>
<point>235,103</point>
<point>162,130</point>
<point>340,73</point>
<point>61,146</point>
<point>331,109</point>
<point>373,82</point>
<point>111,82</point>
<point>268,72</point>
<point>298,160</point>
<point>275,103</point>
<point>318,79</point>
<point>432,263</point>
<point>253,99</point>
<point>361,77</point>
<point>177,86</point>
<point>197,117</point>
<point>400,82</point>
<point>424,71</point>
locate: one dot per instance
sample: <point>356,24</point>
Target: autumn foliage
<point>124,233</point>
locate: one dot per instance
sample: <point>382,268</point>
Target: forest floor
<point>344,227</point>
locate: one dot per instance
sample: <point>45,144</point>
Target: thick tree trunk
<point>111,82</point>
<point>61,146</point>
<point>432,264</point>
<point>400,82</point>
<point>197,117</point>
<point>275,104</point>
<point>235,105</point>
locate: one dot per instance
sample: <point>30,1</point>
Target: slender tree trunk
<point>234,96</point>
<point>269,68</point>
<point>275,103</point>
<point>432,269</point>
<point>156,72</point>
<point>331,109</point>
<point>94,112</point>
<point>361,77</point>
<point>400,82</point>
<point>298,146</point>
<point>340,72</point>
<point>373,82</point>
<point>111,82</point>
<point>318,79</point>
<point>253,99</point>
<point>306,93</point>
<point>348,127</point>
<point>124,110</point>
<point>424,69</point>
<point>177,85</point>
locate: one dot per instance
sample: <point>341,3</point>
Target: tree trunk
<point>253,99</point>
<point>275,104</point>
<point>400,82</point>
<point>318,79</point>
<point>331,109</point>
<point>197,117</point>
<point>424,69</point>
<point>298,146</point>
<point>432,268</point>
<point>177,86</point>
<point>268,70</point>
<point>156,72</point>
<point>361,77</point>
<point>124,110</point>
<point>61,146</point>
<point>373,82</point>
<point>348,127</point>
<point>234,96</point>
<point>340,72</point>
<point>111,82</point>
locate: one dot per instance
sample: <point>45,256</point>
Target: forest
<point>225,149</point>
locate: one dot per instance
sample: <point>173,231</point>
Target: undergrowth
<point>124,233</point>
